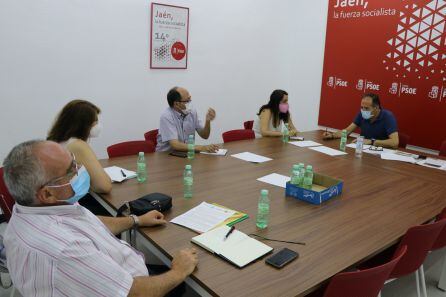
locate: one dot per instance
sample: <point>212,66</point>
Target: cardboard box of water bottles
<point>324,188</point>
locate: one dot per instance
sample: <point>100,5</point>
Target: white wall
<point>54,51</point>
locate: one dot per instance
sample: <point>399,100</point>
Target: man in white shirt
<point>55,247</point>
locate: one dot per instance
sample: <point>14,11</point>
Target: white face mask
<point>188,108</point>
<point>96,130</point>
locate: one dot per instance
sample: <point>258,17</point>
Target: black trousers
<point>179,290</point>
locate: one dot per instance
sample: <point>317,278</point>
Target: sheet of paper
<point>305,143</point>
<point>203,217</point>
<point>220,152</point>
<point>275,179</point>
<point>396,157</point>
<point>327,150</point>
<point>366,149</point>
<point>115,173</point>
<point>250,157</point>
<point>433,163</point>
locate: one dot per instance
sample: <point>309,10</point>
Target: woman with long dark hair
<point>76,123</point>
<point>272,116</point>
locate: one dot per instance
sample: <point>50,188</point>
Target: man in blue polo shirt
<point>378,126</point>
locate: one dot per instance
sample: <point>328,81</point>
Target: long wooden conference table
<point>380,201</point>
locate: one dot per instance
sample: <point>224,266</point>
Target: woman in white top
<point>75,124</point>
<point>273,115</point>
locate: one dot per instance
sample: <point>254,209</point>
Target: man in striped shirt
<point>57,248</point>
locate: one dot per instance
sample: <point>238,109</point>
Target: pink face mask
<point>283,107</point>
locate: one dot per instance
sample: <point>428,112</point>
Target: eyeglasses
<point>71,172</point>
<point>375,148</point>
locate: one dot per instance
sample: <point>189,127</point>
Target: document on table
<point>397,157</point>
<point>203,217</point>
<point>118,174</point>
<point>305,143</point>
<point>220,152</point>
<point>433,163</point>
<point>328,151</point>
<point>366,149</point>
<point>275,179</point>
<point>250,157</point>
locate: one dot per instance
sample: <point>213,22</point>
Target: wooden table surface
<point>380,201</point>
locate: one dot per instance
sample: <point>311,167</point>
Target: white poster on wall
<point>169,36</point>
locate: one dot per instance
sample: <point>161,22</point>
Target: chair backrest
<point>440,242</point>
<point>443,148</point>
<point>403,140</point>
<point>364,283</point>
<point>129,148</point>
<point>419,241</point>
<point>235,135</point>
<point>152,136</point>
<point>6,200</point>
<point>248,125</point>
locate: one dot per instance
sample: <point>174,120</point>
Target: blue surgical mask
<point>80,184</point>
<point>366,114</point>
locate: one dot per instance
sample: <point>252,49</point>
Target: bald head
<point>177,94</point>
<point>30,165</point>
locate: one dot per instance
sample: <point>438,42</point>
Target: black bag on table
<point>154,201</point>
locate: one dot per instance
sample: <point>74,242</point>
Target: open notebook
<point>238,249</point>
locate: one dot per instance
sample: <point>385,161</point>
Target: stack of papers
<point>275,179</point>
<point>306,143</point>
<point>203,217</point>
<point>250,157</point>
<point>220,152</point>
<point>366,149</point>
<point>118,174</point>
<point>328,151</point>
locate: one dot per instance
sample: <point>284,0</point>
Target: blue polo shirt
<point>380,129</point>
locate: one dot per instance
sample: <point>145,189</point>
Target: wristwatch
<point>135,220</point>
<point>373,141</point>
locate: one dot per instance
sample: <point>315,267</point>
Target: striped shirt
<point>65,250</point>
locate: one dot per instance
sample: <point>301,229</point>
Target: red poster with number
<point>395,49</point>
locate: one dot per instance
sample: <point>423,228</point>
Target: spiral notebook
<point>238,249</point>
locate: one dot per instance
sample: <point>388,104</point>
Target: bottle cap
<point>309,167</point>
<point>188,167</point>
<point>191,136</point>
<point>301,165</point>
<point>264,192</point>
<point>141,154</point>
<point>296,166</point>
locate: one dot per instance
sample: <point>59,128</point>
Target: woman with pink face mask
<point>272,116</point>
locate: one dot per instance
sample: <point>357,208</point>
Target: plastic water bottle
<point>359,145</point>
<point>302,174</point>
<point>295,175</point>
<point>285,133</point>
<point>188,181</point>
<point>262,219</point>
<point>141,170</point>
<point>343,140</point>
<point>191,147</point>
<point>308,178</point>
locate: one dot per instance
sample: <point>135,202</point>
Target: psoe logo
<point>405,89</point>
<point>334,82</point>
<point>365,85</point>
<point>394,89</point>
<point>360,85</point>
<point>433,94</point>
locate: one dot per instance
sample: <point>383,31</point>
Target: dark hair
<point>273,106</point>
<point>173,96</point>
<point>75,120</point>
<point>375,99</point>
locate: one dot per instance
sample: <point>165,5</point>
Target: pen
<point>229,232</point>
<point>123,174</point>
